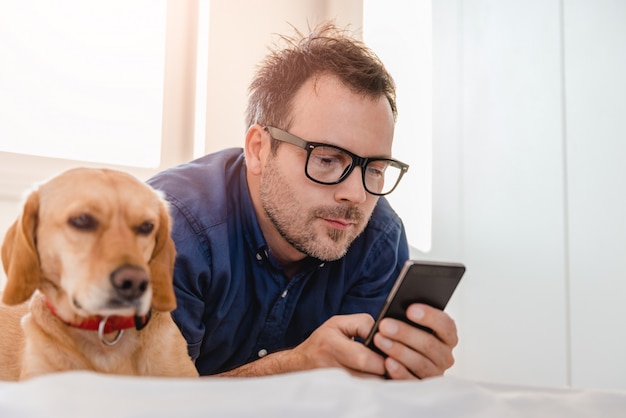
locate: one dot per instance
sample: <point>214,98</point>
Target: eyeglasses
<point>328,164</point>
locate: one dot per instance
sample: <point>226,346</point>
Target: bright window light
<point>83,80</point>
<point>202,65</point>
<point>400,32</point>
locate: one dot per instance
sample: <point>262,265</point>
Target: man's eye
<point>374,172</point>
<point>83,222</point>
<point>377,168</point>
<point>330,157</point>
<point>326,161</point>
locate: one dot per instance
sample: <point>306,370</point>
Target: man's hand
<point>333,345</point>
<point>330,345</point>
<point>414,353</point>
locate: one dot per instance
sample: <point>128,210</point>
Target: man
<point>286,249</point>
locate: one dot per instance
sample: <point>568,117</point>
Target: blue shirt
<point>235,303</point>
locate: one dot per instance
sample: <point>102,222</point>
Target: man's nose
<point>351,189</point>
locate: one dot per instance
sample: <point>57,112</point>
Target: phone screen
<point>431,283</point>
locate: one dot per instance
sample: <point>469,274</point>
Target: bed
<point>320,393</point>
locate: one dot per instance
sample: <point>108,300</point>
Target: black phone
<point>431,283</point>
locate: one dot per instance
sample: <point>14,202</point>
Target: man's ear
<point>256,149</point>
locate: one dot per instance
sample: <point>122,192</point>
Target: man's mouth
<point>341,218</point>
<point>339,224</point>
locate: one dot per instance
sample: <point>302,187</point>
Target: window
<point>400,32</point>
<point>83,80</point>
<point>98,83</point>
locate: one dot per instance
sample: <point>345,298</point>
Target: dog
<point>89,266</point>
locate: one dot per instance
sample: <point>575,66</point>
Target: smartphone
<point>431,283</point>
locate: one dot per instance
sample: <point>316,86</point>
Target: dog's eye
<point>145,228</point>
<point>84,222</point>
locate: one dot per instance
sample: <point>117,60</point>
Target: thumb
<point>355,325</point>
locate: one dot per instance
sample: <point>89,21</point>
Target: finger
<point>350,354</point>
<point>361,374</point>
<point>417,349</point>
<point>397,371</point>
<point>355,325</point>
<point>413,360</point>
<point>440,322</point>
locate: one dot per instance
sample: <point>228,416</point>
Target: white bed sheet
<point>320,393</point>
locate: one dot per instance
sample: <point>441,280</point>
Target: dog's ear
<point>19,255</point>
<point>162,264</point>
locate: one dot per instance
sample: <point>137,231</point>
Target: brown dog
<point>92,248</point>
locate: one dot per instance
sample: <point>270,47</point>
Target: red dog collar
<point>112,323</point>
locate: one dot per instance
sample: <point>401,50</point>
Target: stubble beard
<point>296,224</point>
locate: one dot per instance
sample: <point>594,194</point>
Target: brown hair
<point>326,50</point>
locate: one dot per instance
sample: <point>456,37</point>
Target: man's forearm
<point>275,363</point>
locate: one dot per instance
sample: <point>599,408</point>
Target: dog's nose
<point>130,282</point>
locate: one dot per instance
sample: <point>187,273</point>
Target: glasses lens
<point>327,164</point>
<point>381,176</point>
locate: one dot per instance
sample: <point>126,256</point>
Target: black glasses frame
<point>357,161</point>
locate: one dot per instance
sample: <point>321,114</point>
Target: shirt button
<point>262,353</point>
<point>259,256</point>
<point>284,294</point>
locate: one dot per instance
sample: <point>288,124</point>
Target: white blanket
<point>320,394</point>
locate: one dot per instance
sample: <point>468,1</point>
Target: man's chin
<point>329,249</point>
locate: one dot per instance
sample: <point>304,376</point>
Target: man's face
<point>322,220</point>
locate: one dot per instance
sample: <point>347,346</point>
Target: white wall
<point>240,33</point>
<point>528,180</point>
<point>595,62</point>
